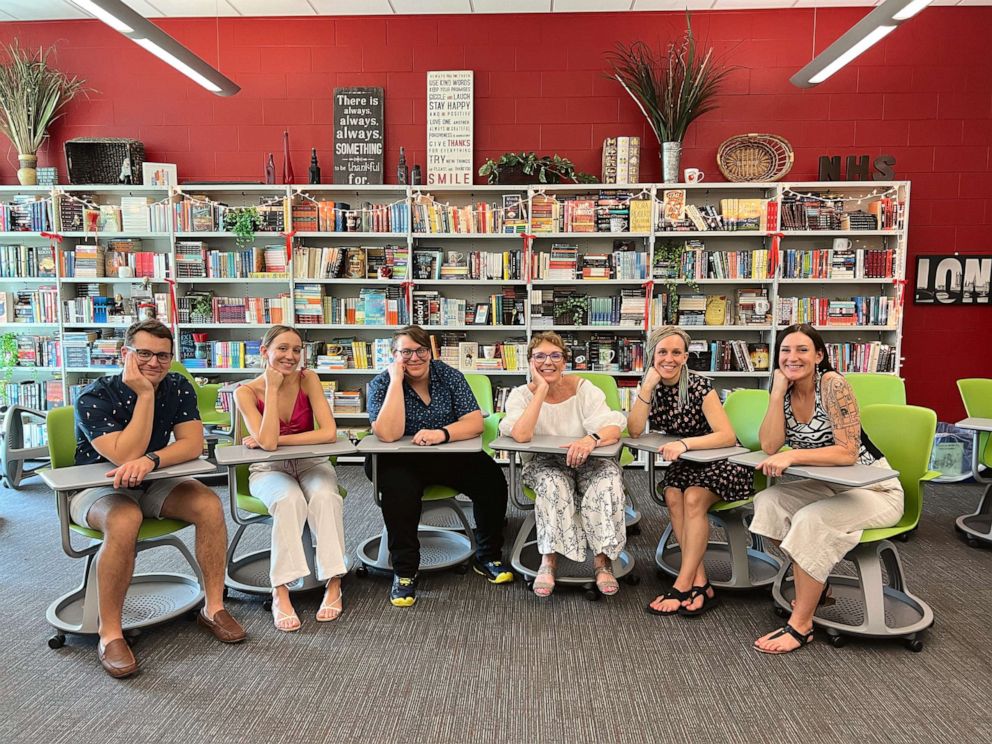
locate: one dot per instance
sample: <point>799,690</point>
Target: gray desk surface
<point>975,423</point>
<point>239,455</point>
<point>88,476</point>
<point>549,445</point>
<point>843,475</point>
<point>653,442</point>
<point>374,446</point>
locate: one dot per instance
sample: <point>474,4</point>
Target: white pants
<point>297,493</point>
<point>818,523</point>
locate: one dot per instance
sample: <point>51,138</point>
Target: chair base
<point>526,560</point>
<point>439,514</point>
<point>977,527</point>
<point>739,563</point>
<point>865,606</point>
<point>439,548</point>
<point>151,599</point>
<point>13,454</point>
<point>250,573</point>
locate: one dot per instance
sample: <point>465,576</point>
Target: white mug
<point>842,244</point>
<point>693,175</point>
<point>606,356</point>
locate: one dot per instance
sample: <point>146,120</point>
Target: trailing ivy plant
<point>576,306</point>
<point>243,222</point>
<point>8,360</point>
<point>668,254</point>
<point>546,169</point>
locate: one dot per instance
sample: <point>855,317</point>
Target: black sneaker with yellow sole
<point>403,592</point>
<point>494,571</point>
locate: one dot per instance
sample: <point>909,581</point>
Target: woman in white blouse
<point>580,499</point>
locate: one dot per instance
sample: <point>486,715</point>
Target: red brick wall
<point>923,95</point>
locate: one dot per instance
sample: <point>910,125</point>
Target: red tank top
<point>301,419</point>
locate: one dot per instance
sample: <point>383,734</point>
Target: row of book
<point>509,216</point>
<point>566,262</point>
<point>41,395</point>
<point>200,214</point>
<point>92,307</point>
<point>330,216</point>
<point>192,308</point>
<point>844,263</point>
<point>25,213</point>
<point>733,215</point>
<point>467,265</point>
<point>697,263</point>
<point>89,263</point>
<point>823,311</point>
<point>566,306</point>
<point>748,306</point>
<point>352,262</point>
<point>380,306</point>
<point>195,261</point>
<point>727,356</point>
<point>38,351</point>
<point>27,261</point>
<point>225,355</point>
<point>829,212</point>
<point>350,353</point>
<point>504,308</point>
<point>611,212</point>
<point>621,160</point>
<point>134,214</point>
<point>872,356</point>
<point>38,305</point>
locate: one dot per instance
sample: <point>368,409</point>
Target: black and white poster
<point>953,280</point>
<point>358,135</point>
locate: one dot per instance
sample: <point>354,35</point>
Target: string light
<point>881,193</point>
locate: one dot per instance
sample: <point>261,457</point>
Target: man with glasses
<point>433,403</point>
<point>128,420</point>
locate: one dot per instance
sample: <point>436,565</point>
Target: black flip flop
<point>804,640</point>
<point>672,593</point>
<point>708,602</point>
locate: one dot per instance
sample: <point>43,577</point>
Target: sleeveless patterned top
<point>818,432</point>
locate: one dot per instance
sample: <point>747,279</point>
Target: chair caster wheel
<point>529,585</point>
<point>226,594</point>
<point>780,612</point>
<point>972,542</point>
<point>461,569</point>
<point>837,641</point>
<point>915,645</point>
<point>592,595</point>
<point>191,615</point>
<point>362,570</point>
<point>634,529</point>
<point>632,579</point>
<point>56,641</point>
<point>904,537</point>
<point>267,605</point>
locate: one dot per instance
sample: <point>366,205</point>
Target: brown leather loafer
<point>224,627</point>
<point>117,658</point>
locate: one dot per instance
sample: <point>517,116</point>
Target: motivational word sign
<point>358,135</point>
<point>449,127</point>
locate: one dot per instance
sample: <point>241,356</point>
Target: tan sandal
<point>544,582</point>
<point>606,582</point>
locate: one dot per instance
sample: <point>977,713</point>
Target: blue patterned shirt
<point>451,398</point>
<point>107,405</point>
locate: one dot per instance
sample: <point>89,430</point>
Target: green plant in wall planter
<point>243,222</point>
<point>8,361</point>
<point>574,309</point>
<point>668,256</point>
<point>526,167</point>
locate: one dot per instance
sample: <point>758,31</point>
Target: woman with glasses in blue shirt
<point>580,499</point>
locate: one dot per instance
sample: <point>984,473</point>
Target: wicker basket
<point>99,161</point>
<point>755,157</point>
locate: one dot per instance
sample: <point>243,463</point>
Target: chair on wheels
<point>608,384</point>
<point>451,545</point>
<point>13,453</point>
<point>250,572</point>
<point>871,388</point>
<point>976,394</point>
<point>741,562</point>
<point>865,605</point>
<point>152,598</point>
<point>206,399</point>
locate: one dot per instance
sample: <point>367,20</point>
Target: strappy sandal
<point>543,588</point>
<point>606,582</point>
<point>278,617</point>
<point>804,640</point>
<point>708,602</point>
<point>329,611</point>
<point>672,593</point>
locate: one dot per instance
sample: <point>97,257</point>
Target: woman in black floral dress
<point>684,404</point>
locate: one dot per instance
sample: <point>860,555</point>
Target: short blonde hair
<point>546,337</point>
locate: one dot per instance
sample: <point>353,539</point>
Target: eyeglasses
<point>422,352</point>
<point>164,357</point>
<point>554,356</point>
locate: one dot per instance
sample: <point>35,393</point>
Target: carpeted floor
<point>476,663</point>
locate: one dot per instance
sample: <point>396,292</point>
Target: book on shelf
<point>27,213</point>
<point>17,261</point>
<point>621,160</point>
<point>752,306</point>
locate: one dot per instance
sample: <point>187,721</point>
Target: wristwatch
<point>595,436</point>
<point>154,458</point>
<point>447,435</point>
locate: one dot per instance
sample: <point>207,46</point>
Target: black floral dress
<point>728,481</point>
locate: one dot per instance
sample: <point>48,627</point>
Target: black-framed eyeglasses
<point>164,357</point>
<point>554,356</point>
<point>422,352</point>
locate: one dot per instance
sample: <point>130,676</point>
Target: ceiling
<point>37,10</point>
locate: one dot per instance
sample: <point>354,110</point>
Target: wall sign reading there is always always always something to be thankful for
<point>359,137</point>
<point>449,127</point>
<point>953,280</point>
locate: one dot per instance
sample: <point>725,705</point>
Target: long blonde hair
<point>272,334</point>
<point>656,337</point>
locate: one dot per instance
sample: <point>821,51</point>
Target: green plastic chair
<point>250,572</point>
<point>905,435</point>
<point>976,394</point>
<point>871,388</point>
<point>206,398</point>
<point>749,565</point>
<point>78,611</point>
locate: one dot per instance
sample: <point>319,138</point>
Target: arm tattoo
<point>842,408</point>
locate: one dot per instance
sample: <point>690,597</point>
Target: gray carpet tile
<point>478,663</point>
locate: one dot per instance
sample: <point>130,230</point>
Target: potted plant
<point>526,167</point>
<point>243,222</point>
<point>32,95</point>
<point>202,308</point>
<point>8,360</point>
<point>572,310</point>
<point>672,89</point>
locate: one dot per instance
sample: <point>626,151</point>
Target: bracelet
<point>642,399</point>
<point>447,435</point>
<point>682,442</point>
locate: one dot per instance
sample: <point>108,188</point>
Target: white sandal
<point>336,607</point>
<point>278,616</point>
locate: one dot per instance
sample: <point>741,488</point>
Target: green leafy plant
<point>8,361</point>
<point>575,306</point>
<point>667,266</point>
<point>202,307</point>
<point>546,169</point>
<point>672,88</point>
<point>243,222</point>
<point>33,94</point>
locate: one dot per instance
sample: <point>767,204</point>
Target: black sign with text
<point>359,135</point>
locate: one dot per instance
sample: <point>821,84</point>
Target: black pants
<point>402,479</point>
